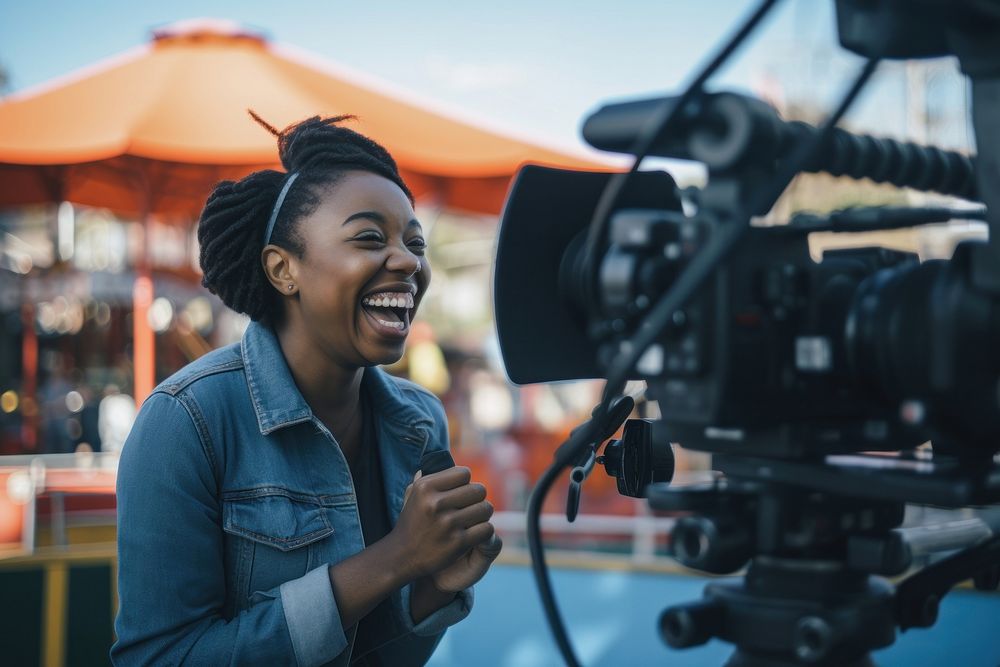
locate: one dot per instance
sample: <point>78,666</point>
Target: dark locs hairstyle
<point>233,224</point>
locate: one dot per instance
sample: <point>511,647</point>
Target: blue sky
<point>535,67</point>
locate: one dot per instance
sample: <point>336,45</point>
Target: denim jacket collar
<point>278,402</point>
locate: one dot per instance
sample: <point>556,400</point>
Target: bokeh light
<point>20,488</point>
<point>161,314</point>
<point>9,401</point>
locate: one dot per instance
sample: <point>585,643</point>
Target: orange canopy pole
<point>29,388</point>
<point>143,338</point>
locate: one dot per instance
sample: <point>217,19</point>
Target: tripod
<point>811,594</point>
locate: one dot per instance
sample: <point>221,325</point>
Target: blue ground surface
<point>612,619</point>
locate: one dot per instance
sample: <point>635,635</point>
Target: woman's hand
<point>469,568</point>
<point>444,519</point>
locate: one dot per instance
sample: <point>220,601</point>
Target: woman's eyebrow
<point>377,217</point>
<point>370,215</point>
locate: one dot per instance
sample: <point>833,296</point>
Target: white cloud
<point>472,76</point>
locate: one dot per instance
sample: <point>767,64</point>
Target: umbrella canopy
<point>153,129</point>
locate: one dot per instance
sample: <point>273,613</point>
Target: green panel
<point>88,618</point>
<point>21,617</point>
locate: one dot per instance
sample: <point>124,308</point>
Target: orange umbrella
<point>150,132</point>
<point>181,102</point>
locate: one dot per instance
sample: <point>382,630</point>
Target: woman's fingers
<point>478,534</point>
<point>463,496</point>
<point>444,515</point>
<point>491,548</point>
<point>473,514</point>
<point>448,479</point>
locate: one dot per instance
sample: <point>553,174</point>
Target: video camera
<point>793,372</point>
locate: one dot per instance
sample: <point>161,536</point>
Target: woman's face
<point>363,272</point>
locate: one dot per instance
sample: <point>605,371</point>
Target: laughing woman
<point>269,506</point>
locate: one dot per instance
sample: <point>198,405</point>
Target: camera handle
<point>603,425</point>
<point>918,596</point>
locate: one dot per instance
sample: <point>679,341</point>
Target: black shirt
<point>367,475</point>
<point>369,489</point>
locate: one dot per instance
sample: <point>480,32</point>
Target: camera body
<point>768,356</point>
<point>867,349</point>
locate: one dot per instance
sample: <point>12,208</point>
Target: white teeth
<point>394,325</point>
<point>389,300</point>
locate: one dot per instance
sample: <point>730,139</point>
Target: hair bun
<point>294,139</point>
<point>298,144</point>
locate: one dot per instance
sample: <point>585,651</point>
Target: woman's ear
<point>280,268</point>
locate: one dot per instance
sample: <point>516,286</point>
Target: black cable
<point>658,125</point>
<point>602,212</point>
<point>538,566</point>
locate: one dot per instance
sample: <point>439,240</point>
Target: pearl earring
<point>291,287</point>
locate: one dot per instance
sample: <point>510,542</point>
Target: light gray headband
<point>277,205</point>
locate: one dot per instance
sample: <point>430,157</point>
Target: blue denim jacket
<point>233,499</point>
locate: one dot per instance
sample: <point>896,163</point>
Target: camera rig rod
<point>735,132</point>
<point>902,164</point>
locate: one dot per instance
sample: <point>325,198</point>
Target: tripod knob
<point>813,639</point>
<point>636,461</point>
<point>691,624</point>
<point>712,544</point>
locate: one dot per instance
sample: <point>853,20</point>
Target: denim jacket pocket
<point>273,530</point>
<point>276,517</point>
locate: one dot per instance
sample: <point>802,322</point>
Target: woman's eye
<point>417,245</point>
<point>371,236</point>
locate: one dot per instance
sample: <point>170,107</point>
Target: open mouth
<point>389,311</point>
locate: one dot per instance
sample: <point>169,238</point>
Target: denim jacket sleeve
<point>171,579</point>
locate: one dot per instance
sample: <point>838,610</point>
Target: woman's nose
<point>401,260</point>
